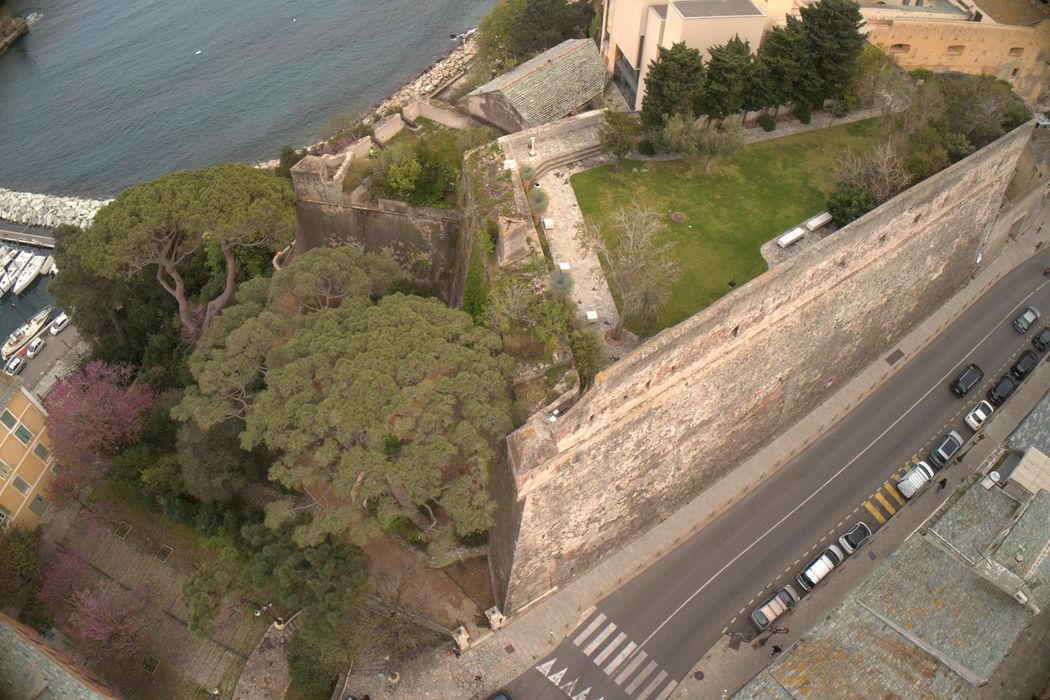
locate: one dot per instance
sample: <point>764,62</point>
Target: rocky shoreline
<point>47,211</point>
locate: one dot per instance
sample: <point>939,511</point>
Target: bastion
<point>681,411</point>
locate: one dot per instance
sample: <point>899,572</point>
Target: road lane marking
<point>875,512</point>
<point>609,629</point>
<point>834,476</point>
<point>635,663</point>
<point>885,503</point>
<point>620,658</point>
<point>609,649</point>
<point>888,488</point>
<point>651,688</point>
<point>590,629</point>
<point>645,673</point>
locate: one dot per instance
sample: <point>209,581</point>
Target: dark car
<point>1042,341</point>
<point>944,452</point>
<point>1025,364</point>
<point>852,540</point>
<point>1002,390</point>
<point>970,377</point>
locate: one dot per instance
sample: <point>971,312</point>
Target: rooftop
<point>660,10</point>
<point>1019,12</point>
<point>1034,430</point>
<point>1026,550</point>
<point>694,9</point>
<point>973,523</point>
<point>549,86</point>
<point>945,7</point>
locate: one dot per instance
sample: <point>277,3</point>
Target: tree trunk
<point>118,327</point>
<point>408,508</point>
<point>218,303</point>
<point>618,328</point>
<point>616,167</point>
<point>177,289</point>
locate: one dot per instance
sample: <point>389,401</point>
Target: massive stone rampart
<point>681,411</point>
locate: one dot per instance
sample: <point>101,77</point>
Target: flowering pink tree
<point>64,576</point>
<point>109,622</point>
<point>93,414</point>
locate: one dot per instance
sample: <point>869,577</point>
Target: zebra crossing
<point>619,658</point>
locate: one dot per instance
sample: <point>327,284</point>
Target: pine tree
<point>833,35</point>
<point>786,59</point>
<point>674,85</point>
<point>729,74</point>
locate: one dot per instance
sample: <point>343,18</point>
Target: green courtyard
<point>744,201</point>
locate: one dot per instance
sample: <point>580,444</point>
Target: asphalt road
<point>649,633</point>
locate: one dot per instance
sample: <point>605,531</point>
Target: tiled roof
<point>552,84</point>
<point>1026,550</point>
<point>694,9</point>
<point>974,522</point>
<point>1034,430</point>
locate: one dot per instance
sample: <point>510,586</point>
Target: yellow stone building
<point>1006,38</point>
<point>26,462</point>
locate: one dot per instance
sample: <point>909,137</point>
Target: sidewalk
<point>532,633</point>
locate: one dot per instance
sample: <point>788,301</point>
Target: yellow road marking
<point>893,492</point>
<point>885,503</point>
<point>875,512</point>
<point>898,476</point>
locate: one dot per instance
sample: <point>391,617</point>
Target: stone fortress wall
<point>671,418</point>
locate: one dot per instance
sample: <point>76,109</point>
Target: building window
<point>956,50</point>
<point>39,505</point>
<point>1017,51</point>
<point>5,471</point>
<point>5,514</point>
<point>21,484</point>
<point>42,452</point>
<point>8,419</point>
<point>900,48</point>
<point>24,434</point>
<point>1014,72</point>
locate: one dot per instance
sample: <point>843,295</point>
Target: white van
<point>820,567</point>
<point>912,482</point>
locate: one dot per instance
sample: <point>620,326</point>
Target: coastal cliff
<point>11,27</point>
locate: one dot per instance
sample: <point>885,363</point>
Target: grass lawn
<point>763,191</point>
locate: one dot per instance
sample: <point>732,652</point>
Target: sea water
<point>101,95</point>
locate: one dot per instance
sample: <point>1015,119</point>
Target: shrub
<point>839,109</point>
<point>803,112</point>
<point>538,201</point>
<point>849,202</point>
<point>475,292</point>
<point>587,356</point>
<point>767,122</point>
<point>646,148</point>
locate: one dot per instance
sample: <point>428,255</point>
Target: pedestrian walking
<point>941,484</point>
<point>456,651</point>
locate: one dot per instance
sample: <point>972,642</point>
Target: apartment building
<point>26,462</point>
<point>1006,38</point>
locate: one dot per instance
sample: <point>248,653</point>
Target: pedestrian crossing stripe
<point>885,503</point>
<point>888,488</point>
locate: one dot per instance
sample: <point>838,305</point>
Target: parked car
<point>857,535</point>
<point>60,322</point>
<point>1024,365</point>
<point>912,482</point>
<point>34,347</point>
<point>1024,322</point>
<point>820,567</point>
<point>979,415</point>
<point>1002,390</point>
<point>1042,341</point>
<point>970,377</point>
<point>781,602</point>
<point>15,365</point>
<point>948,448</point>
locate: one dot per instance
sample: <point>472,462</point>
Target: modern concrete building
<point>1006,38</point>
<point>26,462</point>
<point>636,30</point>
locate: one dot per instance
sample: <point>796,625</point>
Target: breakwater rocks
<point>46,210</point>
<point>436,76</point>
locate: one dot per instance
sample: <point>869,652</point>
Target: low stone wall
<point>46,210</point>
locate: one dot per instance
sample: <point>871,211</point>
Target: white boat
<point>48,265</point>
<point>7,255</point>
<point>23,334</point>
<point>29,273</point>
<point>13,269</point>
